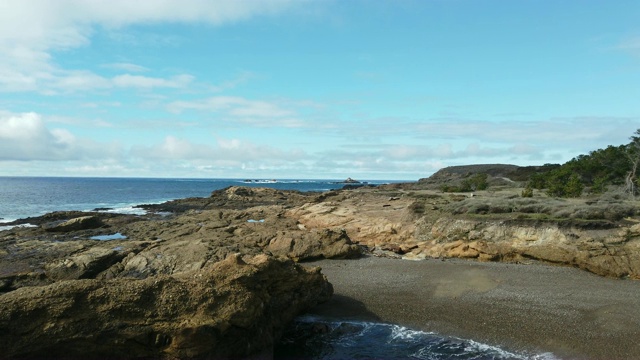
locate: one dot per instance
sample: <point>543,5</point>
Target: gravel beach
<point>534,308</point>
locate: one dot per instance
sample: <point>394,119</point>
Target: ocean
<point>22,197</point>
<point>318,338</point>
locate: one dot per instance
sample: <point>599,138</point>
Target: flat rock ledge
<point>233,308</point>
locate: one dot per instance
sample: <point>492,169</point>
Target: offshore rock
<point>234,308</point>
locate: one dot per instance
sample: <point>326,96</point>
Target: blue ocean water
<point>22,197</point>
<point>316,338</point>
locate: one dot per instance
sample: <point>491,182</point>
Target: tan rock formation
<point>416,230</point>
<point>326,243</point>
<point>233,308</point>
<point>79,223</point>
<point>604,252</point>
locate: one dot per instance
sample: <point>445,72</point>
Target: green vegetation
<point>613,169</point>
<point>614,165</point>
<point>472,183</point>
<point>527,192</point>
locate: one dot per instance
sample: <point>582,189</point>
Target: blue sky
<point>311,89</point>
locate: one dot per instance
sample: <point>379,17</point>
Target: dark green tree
<point>563,182</point>
<point>538,181</point>
<point>574,186</point>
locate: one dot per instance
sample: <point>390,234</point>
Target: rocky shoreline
<point>195,271</point>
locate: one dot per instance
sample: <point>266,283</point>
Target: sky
<point>311,89</point>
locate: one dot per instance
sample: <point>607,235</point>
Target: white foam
<point>400,333</point>
<point>128,210</point>
<point>9,227</point>
<point>485,348</point>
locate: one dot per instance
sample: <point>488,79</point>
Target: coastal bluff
<point>221,276</point>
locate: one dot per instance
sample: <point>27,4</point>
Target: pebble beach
<point>533,308</point>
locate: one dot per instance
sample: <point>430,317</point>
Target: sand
<point>530,308</point>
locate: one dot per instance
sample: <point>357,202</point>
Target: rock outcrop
<point>314,244</point>
<point>611,252</point>
<point>175,288</point>
<point>415,227</point>
<point>79,223</point>
<point>164,290</point>
<point>233,308</point>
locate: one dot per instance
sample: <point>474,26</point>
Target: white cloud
<point>220,151</point>
<point>174,148</point>
<point>258,113</point>
<point>126,67</point>
<point>73,81</point>
<point>137,81</point>
<point>77,81</point>
<point>25,137</point>
<point>232,105</point>
<point>67,23</point>
<point>31,29</point>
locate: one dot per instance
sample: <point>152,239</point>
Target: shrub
<point>476,182</point>
<point>562,182</point>
<point>417,207</point>
<point>599,186</point>
<point>574,186</point>
<point>449,188</point>
<point>527,192</point>
<point>537,181</point>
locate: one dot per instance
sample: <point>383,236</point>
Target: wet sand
<point>533,308</point>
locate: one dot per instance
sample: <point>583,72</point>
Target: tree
<point>633,154</point>
<point>574,186</point>
<point>563,182</point>
<point>599,185</point>
<point>537,181</point>
<point>474,183</point>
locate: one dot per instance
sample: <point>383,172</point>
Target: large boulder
<point>233,308</point>
<point>315,244</point>
<point>79,223</point>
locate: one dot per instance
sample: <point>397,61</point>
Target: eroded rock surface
<point>233,308</point>
<point>166,290</point>
<point>413,226</point>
